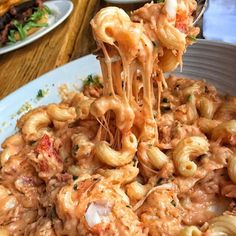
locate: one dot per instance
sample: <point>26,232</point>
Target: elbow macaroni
<point>227,108</point>
<point>232,168</point>
<point>169,61</point>
<point>207,125</point>
<point>222,225</point>
<point>170,37</point>
<point>106,21</point>
<point>190,231</point>
<point>36,125</point>
<point>117,158</point>
<point>157,158</point>
<point>11,146</point>
<point>61,113</point>
<point>223,130</point>
<point>207,108</point>
<point>187,149</point>
<point>83,108</point>
<point>136,191</point>
<point>122,175</point>
<point>124,113</point>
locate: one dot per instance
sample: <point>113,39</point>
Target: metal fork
<point>201,7</point>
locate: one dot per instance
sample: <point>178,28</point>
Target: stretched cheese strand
<point>132,49</point>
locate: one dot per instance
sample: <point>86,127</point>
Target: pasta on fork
<point>133,153</point>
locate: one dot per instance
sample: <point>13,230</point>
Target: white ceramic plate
<point>15,105</point>
<point>61,9</point>
<point>208,60</point>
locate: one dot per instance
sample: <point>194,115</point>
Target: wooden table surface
<point>70,40</point>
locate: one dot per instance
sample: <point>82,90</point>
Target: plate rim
<point>46,30</point>
<point>40,78</point>
<point>23,99</point>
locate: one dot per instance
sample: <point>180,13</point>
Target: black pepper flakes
<point>177,87</point>
<point>159,181</point>
<point>166,108</point>
<point>75,177</point>
<point>206,89</point>
<point>165,100</point>
<point>75,187</point>
<point>122,83</point>
<point>173,203</point>
<point>75,148</point>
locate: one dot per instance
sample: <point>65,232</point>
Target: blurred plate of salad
<point>54,11</point>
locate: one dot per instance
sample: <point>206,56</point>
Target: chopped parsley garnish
<point>173,203</point>
<point>192,38</point>
<point>41,93</point>
<point>190,98</point>
<point>93,80</point>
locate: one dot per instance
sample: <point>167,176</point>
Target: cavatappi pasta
<point>133,153</point>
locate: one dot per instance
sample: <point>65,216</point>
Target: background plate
<point>212,61</point>
<point>60,11</point>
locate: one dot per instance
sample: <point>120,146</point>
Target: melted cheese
<point>171,8</point>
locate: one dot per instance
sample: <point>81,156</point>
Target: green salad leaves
<point>32,22</point>
<point>11,36</point>
<point>39,13</point>
<point>20,29</point>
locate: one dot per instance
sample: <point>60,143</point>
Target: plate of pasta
<point>139,140</point>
